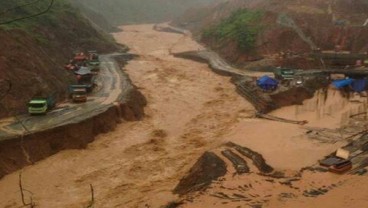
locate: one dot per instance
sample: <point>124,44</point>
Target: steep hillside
<point>95,17</point>
<point>119,12</point>
<point>33,51</point>
<point>247,30</point>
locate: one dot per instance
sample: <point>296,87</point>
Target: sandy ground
<point>190,110</point>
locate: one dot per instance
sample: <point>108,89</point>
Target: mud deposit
<point>208,167</point>
<point>257,158</point>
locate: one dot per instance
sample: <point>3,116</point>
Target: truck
<point>284,73</point>
<point>78,93</point>
<point>88,80</point>
<point>86,77</point>
<point>41,104</point>
<point>93,61</point>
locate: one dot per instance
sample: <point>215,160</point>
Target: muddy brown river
<point>190,110</point>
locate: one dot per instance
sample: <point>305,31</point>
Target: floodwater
<point>190,110</point>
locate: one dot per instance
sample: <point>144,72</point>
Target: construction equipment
<point>80,59</point>
<point>40,105</point>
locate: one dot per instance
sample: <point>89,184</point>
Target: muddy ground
<point>190,110</point>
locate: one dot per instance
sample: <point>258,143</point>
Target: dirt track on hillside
<point>190,110</point>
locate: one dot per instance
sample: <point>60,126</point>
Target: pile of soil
<point>208,167</point>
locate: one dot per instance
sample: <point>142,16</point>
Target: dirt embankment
<point>27,150</point>
<point>33,53</point>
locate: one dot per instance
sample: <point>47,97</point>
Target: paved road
<point>110,85</point>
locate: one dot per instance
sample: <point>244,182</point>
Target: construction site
<point>173,115</point>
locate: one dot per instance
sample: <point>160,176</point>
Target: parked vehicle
<point>88,80</point>
<point>93,61</point>
<point>40,105</point>
<point>95,66</point>
<point>284,74</point>
<point>78,93</point>
<point>86,77</point>
<point>93,55</point>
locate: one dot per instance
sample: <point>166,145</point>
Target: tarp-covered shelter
<point>359,85</point>
<point>83,71</point>
<point>340,83</point>
<point>267,83</point>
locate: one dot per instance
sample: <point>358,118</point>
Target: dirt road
<point>190,110</point>
<point>110,85</point>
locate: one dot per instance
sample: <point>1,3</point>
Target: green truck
<point>40,105</point>
<point>93,61</point>
<point>284,73</point>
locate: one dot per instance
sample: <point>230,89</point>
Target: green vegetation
<point>242,26</point>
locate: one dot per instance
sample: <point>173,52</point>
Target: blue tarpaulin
<point>267,83</point>
<point>359,85</point>
<point>340,83</point>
